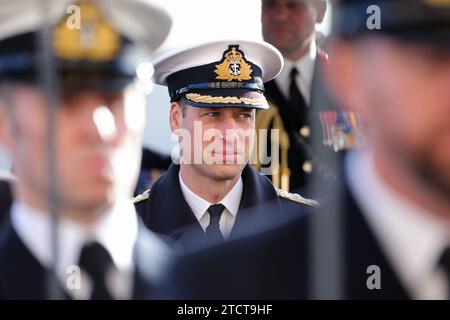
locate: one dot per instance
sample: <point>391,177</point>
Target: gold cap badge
<point>233,66</point>
<point>96,39</point>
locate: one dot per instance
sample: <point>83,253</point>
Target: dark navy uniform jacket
<point>275,264</point>
<point>165,211</point>
<point>22,276</point>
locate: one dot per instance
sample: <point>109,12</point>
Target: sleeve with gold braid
<point>270,119</point>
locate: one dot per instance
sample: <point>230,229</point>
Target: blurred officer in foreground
<point>394,207</point>
<point>103,251</point>
<point>214,90</point>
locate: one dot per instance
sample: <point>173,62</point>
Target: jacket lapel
<point>273,93</point>
<point>259,202</point>
<point>170,213</point>
<point>360,245</point>
<point>21,275</point>
<point>364,250</point>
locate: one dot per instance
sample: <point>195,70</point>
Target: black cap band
<point>254,86</point>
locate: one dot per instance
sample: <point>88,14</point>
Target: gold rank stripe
<point>297,198</point>
<point>143,196</point>
<point>210,99</point>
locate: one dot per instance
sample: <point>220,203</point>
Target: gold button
<point>305,131</point>
<point>307,166</point>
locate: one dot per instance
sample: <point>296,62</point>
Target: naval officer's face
<point>223,147</point>
<point>97,145</point>
<point>403,92</point>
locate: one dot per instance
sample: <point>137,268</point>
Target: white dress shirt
<point>305,67</point>
<point>117,231</point>
<point>412,238</point>
<point>199,206</point>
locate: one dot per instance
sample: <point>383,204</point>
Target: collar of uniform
<point>232,200</point>
<point>305,66</point>
<point>412,238</point>
<point>33,228</point>
<point>199,205</point>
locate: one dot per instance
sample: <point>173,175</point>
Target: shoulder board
<point>297,198</point>
<point>143,196</point>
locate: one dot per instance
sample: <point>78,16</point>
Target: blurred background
<point>195,21</point>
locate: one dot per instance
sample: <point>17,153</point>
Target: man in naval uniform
<point>102,250</point>
<point>290,25</point>
<point>385,227</point>
<point>215,89</point>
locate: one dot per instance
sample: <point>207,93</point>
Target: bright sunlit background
<point>195,21</point>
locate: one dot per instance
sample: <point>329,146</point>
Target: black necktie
<point>297,101</point>
<point>444,263</point>
<point>95,260</point>
<point>213,230</point>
